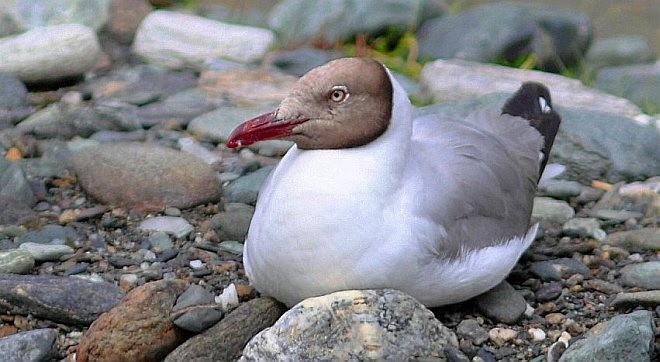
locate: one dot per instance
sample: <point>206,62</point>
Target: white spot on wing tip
<point>545,107</point>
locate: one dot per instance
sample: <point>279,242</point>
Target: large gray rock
<point>495,32</point>
<point>316,21</point>
<point>65,300</point>
<point>639,83</point>
<point>176,40</point>
<point>216,126</point>
<point>643,275</point>
<point>31,346</point>
<point>626,337</point>
<point>359,325</point>
<point>455,79</point>
<point>153,177</point>
<point>30,14</point>
<point>50,53</point>
<point>620,50</point>
<point>502,303</point>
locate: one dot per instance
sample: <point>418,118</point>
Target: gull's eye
<point>545,107</point>
<point>338,94</point>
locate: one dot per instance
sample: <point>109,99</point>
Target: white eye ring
<point>545,108</point>
<point>338,94</point>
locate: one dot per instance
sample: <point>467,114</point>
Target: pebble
<point>615,216</point>
<point>50,53</point>
<point>160,241</point>
<point>548,292</point>
<point>649,298</point>
<point>33,14</point>
<point>228,298</point>
<point>537,334</point>
<point>603,286</point>
<point>246,188</point>
<point>470,329</point>
<point>128,281</point>
<point>552,210</point>
<point>643,275</point>
<point>175,226</point>
<point>558,269</point>
<point>502,303</point>
<point>46,252</point>
<point>234,222</point>
<point>204,314</point>
<point>193,147</point>
<point>196,264</point>
<point>584,227</point>
<point>16,262</point>
<point>560,189</point>
<point>501,336</point>
<point>555,318</point>
<point>636,240</point>
<point>176,40</point>
<point>231,246</point>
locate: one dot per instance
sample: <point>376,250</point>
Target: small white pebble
<point>636,257</point>
<point>537,334</point>
<point>500,336</point>
<point>196,264</point>
<point>228,298</point>
<point>529,311</point>
<point>564,338</point>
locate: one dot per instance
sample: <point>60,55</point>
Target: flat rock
<point>225,340</point>
<point>49,234</point>
<point>453,79</point>
<point>31,346</point>
<point>644,275</point>
<point>552,210</point>
<point>16,262</point>
<point>470,329</point>
<point>626,337</point>
<point>502,303</point>
<point>13,100</point>
<point>558,269</point>
<point>138,329</point>
<point>245,189</point>
<point>649,298</point>
<point>584,227</point>
<point>560,189</point>
<point>153,177</point>
<point>636,240</point>
<point>14,184</point>
<point>175,226</point>
<point>33,14</point>
<point>50,297</point>
<point>50,53</point>
<point>45,252</point>
<point>176,40</point>
<point>180,107</point>
<point>217,125</point>
<point>366,324</point>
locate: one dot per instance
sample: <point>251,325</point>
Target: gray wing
<point>485,167</point>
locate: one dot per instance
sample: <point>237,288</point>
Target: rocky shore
<point>122,213</point>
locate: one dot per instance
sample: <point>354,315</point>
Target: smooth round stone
<point>618,216</point>
<point>584,227</point>
<point>50,53</point>
<point>560,189</point>
<point>553,210</point>
<point>643,275</point>
<point>231,246</point>
<point>46,252</point>
<point>160,241</point>
<point>29,14</point>
<point>16,262</point>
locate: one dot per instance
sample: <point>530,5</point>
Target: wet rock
<point>138,329</point>
<point>356,324</point>
<point>16,262</point>
<point>553,210</point>
<point>33,14</point>
<point>175,226</point>
<point>620,50</point>
<point>50,53</point>
<point>627,337</point>
<point>643,275</point>
<point>246,188</point>
<point>51,297</point>
<point>234,222</point>
<point>584,227</point>
<point>639,83</point>
<point>153,177</point>
<point>558,269</point>
<point>302,21</point>
<point>502,303</point>
<point>42,252</point>
<point>640,240</point>
<point>225,340</point>
<point>30,346</point>
<point>175,40</point>
<point>470,329</point>
<point>650,298</point>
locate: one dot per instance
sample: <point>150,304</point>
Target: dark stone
<point>549,292</point>
<point>65,300</point>
<point>502,303</point>
<point>558,269</point>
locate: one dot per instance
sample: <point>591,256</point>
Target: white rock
<point>538,335</point>
<point>193,147</point>
<point>30,14</point>
<point>228,298</point>
<point>453,79</point>
<point>172,225</point>
<point>50,53</point>
<point>175,40</point>
<point>196,264</point>
<point>500,336</point>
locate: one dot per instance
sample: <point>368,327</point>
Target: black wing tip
<point>532,101</point>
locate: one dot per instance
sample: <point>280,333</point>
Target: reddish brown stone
<point>139,329</point>
<point>125,17</point>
